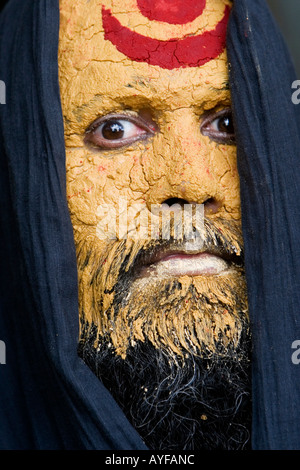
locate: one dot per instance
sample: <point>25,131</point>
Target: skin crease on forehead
<point>178,161</point>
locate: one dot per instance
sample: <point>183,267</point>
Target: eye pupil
<point>113,130</point>
<point>226,125</point>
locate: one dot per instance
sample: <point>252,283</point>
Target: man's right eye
<point>117,131</point>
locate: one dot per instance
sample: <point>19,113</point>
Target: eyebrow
<point>127,98</point>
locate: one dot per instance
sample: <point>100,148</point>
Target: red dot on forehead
<point>172,11</point>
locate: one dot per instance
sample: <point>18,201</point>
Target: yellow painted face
<point>146,106</point>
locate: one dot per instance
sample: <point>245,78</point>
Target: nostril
<point>175,200</point>
<point>211,206</point>
<point>173,204</point>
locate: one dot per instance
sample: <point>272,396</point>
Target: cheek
<point>81,187</point>
<point>225,168</point>
<point>95,183</point>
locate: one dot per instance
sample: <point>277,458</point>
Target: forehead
<point>94,63</point>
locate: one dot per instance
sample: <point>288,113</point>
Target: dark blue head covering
<point>49,398</point>
<point>268,139</point>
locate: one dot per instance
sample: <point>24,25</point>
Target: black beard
<point>175,403</point>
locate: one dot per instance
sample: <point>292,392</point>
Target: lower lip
<point>188,265</point>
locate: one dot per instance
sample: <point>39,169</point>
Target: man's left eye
<point>219,126</point>
<point>116,132</point>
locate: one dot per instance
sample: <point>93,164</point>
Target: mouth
<point>182,264</point>
<point>188,260</point>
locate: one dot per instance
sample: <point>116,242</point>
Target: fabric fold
<point>267,128</point>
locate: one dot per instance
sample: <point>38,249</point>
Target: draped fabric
<point>268,129</point>
<point>49,397</point>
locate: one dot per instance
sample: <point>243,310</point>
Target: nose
<point>185,162</point>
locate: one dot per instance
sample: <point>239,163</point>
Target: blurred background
<point>287,15</point>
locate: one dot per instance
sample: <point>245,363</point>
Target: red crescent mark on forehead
<point>191,51</point>
<point>172,11</point>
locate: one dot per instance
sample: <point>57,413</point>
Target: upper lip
<point>160,253</point>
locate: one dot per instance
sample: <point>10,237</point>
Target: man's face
<point>150,141</point>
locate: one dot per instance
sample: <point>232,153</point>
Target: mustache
<point>123,259</point>
<point>221,238</point>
